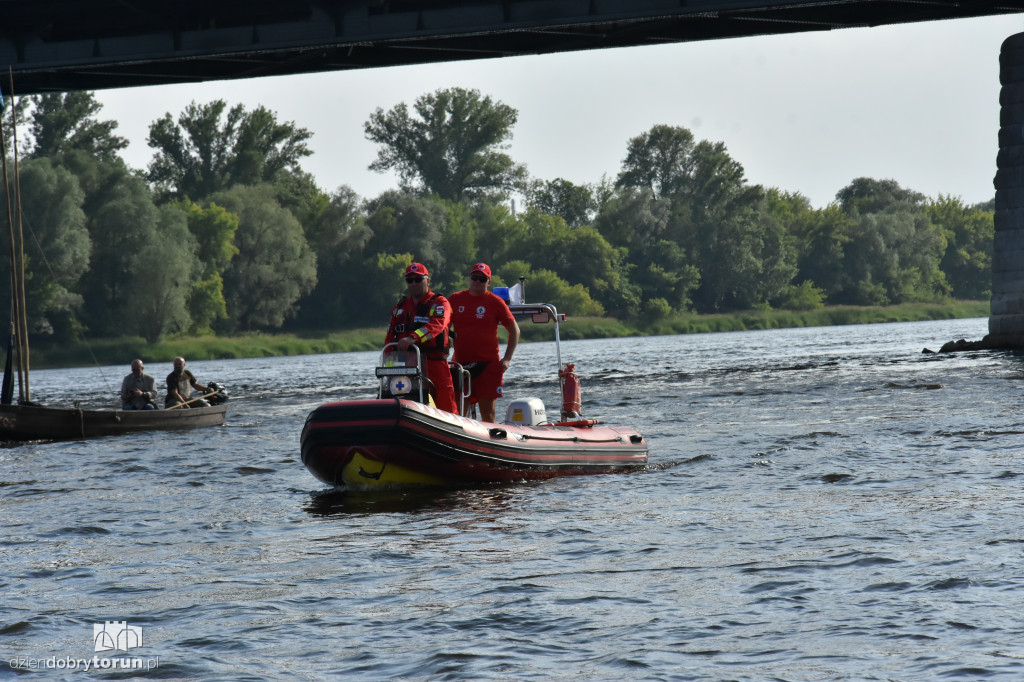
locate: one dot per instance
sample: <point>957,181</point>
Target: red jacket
<point>427,321</point>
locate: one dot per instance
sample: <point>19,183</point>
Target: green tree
<point>164,269</point>
<point>718,221</point>
<point>868,195</point>
<point>371,286</point>
<point>298,192</point>
<point>338,237</point>
<point>573,203</point>
<point>545,286</point>
<point>494,224</point>
<point>211,148</point>
<point>804,296</point>
<point>206,304</point>
<point>399,220</point>
<point>891,249</point>
<point>635,220</point>
<point>21,109</point>
<point>56,246</point>
<point>750,261</point>
<point>581,255</point>
<point>822,237</point>
<point>384,277</point>
<point>123,224</point>
<point>213,231</point>
<point>265,148</point>
<point>450,147</point>
<point>661,160</point>
<point>893,257</point>
<point>274,267</point>
<point>339,230</point>
<point>62,122</point>
<point>715,218</point>
<point>367,247</point>
<point>969,233</point>
<point>458,243</point>
<point>134,247</point>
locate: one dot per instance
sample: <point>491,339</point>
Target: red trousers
<point>441,377</point>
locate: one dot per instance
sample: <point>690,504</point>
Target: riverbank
<point>121,351</point>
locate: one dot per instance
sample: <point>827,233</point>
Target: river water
<point>825,503</point>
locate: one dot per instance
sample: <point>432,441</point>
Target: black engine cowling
<point>219,395</point>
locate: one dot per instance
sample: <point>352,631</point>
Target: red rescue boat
<point>400,439</point>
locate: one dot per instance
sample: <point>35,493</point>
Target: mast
<point>15,338</point>
<point>22,326</point>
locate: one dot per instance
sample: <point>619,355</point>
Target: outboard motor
<point>526,412</point>
<point>219,396</point>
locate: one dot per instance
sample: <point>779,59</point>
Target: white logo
<point>480,310</point>
<point>111,635</point>
<point>116,635</point>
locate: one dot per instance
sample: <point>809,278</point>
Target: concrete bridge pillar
<point>1006,316</point>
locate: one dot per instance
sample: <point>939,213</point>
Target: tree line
<point>224,232</point>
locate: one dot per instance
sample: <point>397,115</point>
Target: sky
<point>807,113</point>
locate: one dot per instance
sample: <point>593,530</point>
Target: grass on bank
<point>123,350</point>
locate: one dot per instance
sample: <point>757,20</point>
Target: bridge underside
<point>64,45</point>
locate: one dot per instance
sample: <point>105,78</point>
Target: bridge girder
<point>65,45</point>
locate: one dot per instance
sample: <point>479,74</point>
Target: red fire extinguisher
<point>572,394</point>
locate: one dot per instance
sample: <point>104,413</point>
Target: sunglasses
<point>478,278</point>
<point>414,280</point>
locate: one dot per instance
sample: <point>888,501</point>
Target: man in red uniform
<point>422,318</point>
<point>476,314</point>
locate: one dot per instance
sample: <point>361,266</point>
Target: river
<point>825,503</point>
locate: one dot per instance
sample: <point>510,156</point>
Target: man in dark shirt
<point>180,383</point>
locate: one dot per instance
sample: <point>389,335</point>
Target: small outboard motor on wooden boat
<point>219,394</point>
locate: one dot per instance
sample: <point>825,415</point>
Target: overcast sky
<point>806,113</point>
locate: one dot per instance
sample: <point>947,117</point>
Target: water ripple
<point>820,504</point>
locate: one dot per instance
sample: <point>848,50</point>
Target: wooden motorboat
<point>33,422</point>
<point>400,439</point>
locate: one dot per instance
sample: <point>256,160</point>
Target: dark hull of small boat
<point>30,422</point>
<point>393,442</point>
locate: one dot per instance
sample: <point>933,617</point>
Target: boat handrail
<point>550,313</point>
<point>382,370</point>
<point>466,381</point>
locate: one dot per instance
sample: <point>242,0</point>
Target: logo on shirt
<point>480,310</point>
